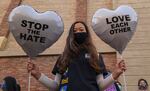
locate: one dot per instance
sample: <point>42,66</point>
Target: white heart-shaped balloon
<point>34,31</point>
<point>115,28</point>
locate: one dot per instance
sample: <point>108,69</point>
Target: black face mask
<point>80,37</point>
<point>141,87</point>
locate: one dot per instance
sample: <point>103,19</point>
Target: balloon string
<point>125,83</point>
<point>124,78</point>
<point>29,78</point>
<point>29,81</point>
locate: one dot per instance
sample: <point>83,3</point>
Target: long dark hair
<point>11,84</point>
<point>72,49</point>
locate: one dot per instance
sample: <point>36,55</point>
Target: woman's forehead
<point>79,25</point>
<point>142,81</point>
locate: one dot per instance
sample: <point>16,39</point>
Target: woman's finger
<point>121,62</point>
<point>30,66</point>
<point>123,68</point>
<point>122,65</point>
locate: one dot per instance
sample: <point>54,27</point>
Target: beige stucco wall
<point>3,7</point>
<point>137,53</point>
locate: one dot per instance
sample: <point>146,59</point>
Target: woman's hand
<point>31,67</point>
<point>119,69</point>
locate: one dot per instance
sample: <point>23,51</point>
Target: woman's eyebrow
<point>81,27</point>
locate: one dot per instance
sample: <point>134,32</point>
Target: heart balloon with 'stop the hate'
<point>34,31</point>
<point>117,27</point>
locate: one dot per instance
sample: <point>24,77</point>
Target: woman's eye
<point>81,29</point>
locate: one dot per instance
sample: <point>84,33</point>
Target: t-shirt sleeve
<point>56,68</point>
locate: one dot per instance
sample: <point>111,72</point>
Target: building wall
<point>17,67</point>
<point>14,61</point>
<point>137,53</point>
<point>92,6</point>
<point>65,9</point>
<point>3,7</point>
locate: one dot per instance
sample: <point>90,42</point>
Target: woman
<point>10,84</point>
<point>78,68</point>
<point>142,85</point>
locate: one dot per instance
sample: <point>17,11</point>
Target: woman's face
<point>79,27</point>
<point>142,84</point>
<point>80,34</point>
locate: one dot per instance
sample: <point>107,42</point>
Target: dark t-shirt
<point>79,76</point>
